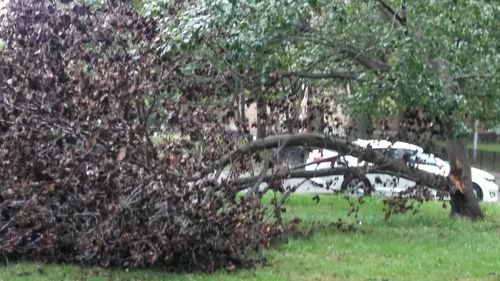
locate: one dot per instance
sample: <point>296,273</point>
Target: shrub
<point>82,92</point>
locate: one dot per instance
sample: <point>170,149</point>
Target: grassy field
<point>425,246</point>
<point>487,156</point>
<point>493,147</point>
<point>490,147</point>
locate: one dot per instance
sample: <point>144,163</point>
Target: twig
<point>6,224</point>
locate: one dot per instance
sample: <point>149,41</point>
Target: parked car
<point>484,184</point>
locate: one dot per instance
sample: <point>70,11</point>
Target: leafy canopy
<point>392,56</point>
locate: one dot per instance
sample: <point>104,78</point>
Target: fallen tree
<point>382,163</point>
<point>83,181</point>
<point>394,64</point>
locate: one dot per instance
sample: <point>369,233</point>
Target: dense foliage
<point>85,177</point>
<point>437,60</point>
<point>386,48</point>
<point>113,132</point>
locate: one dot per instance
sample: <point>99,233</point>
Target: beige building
<point>335,117</point>
<point>332,120</point>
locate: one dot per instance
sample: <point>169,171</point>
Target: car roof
<point>375,144</point>
<point>405,145</point>
<point>381,144</point>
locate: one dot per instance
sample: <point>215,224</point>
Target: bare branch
<point>396,19</point>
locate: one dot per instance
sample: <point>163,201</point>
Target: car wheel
<point>477,191</point>
<point>356,186</point>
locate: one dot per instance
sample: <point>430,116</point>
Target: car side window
<point>399,153</point>
<point>425,159</point>
<point>395,153</point>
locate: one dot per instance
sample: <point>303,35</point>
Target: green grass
<point>425,246</point>
<point>490,147</point>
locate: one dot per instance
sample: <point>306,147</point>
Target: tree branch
<point>286,174</point>
<point>328,75</point>
<point>396,19</point>
<point>364,60</point>
<point>343,146</point>
<point>472,76</point>
<point>350,52</point>
<point>337,171</point>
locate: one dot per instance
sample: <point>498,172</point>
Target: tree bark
<point>315,113</point>
<point>261,118</point>
<point>288,120</point>
<point>403,127</point>
<point>362,125</point>
<point>241,110</point>
<point>463,202</point>
<point>362,122</point>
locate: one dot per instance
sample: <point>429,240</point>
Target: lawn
<point>490,147</point>
<point>425,246</point>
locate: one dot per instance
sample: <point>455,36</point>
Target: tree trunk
<point>403,127</point>
<point>238,113</point>
<point>288,120</point>
<point>463,203</point>
<point>261,119</point>
<point>315,113</point>
<point>362,126</point>
<point>277,122</point>
<point>241,116</point>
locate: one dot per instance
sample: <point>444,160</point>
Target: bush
<point>81,180</point>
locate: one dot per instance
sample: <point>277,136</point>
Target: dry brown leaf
<point>122,153</point>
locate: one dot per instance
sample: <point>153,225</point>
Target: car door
<point>429,163</point>
<point>387,184</point>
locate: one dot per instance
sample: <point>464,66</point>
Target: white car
<point>483,182</point>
